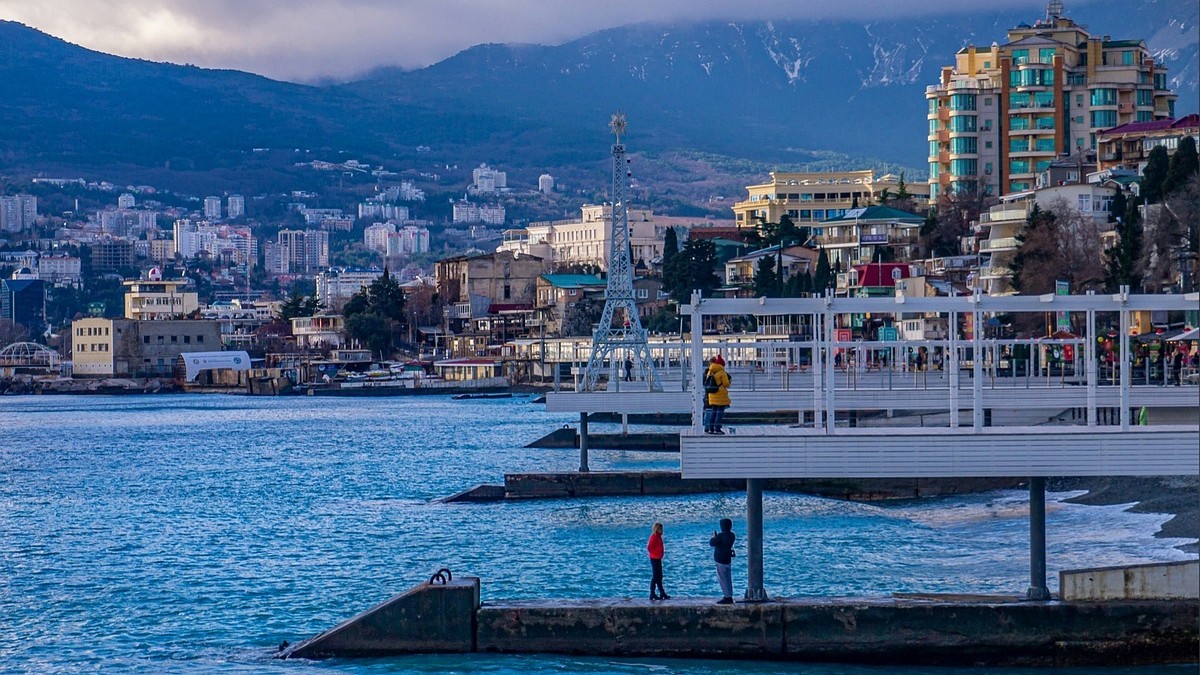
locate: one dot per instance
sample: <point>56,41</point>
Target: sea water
<point>183,533</point>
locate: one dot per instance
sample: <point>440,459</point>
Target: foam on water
<point>190,534</point>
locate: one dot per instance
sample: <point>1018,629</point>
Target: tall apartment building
<point>126,201</point>
<point>999,116</point>
<point>336,285</point>
<point>486,180</point>
<point>408,240</point>
<point>236,206</point>
<point>212,208</point>
<point>302,251</point>
<point>17,212</point>
<point>375,237</point>
<point>813,197</point>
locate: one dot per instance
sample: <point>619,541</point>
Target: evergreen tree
<point>670,247</point>
<point>1035,254</point>
<point>297,305</point>
<point>1154,175</point>
<point>766,281</point>
<point>1123,256</point>
<point>822,278</point>
<point>902,189</point>
<point>1183,166</point>
<point>374,313</point>
<point>693,269</point>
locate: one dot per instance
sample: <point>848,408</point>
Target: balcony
<point>943,115</point>
<point>995,273</point>
<point>459,310</point>
<point>837,239</point>
<point>1001,244</point>
<point>1125,107</point>
<point>999,214</point>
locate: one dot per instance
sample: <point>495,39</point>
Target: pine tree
<point>1123,256</point>
<point>822,279</point>
<point>1183,166</point>
<point>670,247</point>
<point>1154,175</point>
<point>766,281</point>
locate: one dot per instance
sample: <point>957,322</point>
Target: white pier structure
<point>827,381</point>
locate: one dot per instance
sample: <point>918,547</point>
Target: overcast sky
<point>304,40</point>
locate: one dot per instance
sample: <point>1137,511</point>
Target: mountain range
<point>782,93</point>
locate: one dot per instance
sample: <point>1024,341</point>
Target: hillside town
<point>1056,165</point>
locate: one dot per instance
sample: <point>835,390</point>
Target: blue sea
<point>195,533</point>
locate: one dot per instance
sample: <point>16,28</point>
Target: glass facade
<point>1104,97</point>
<point>1104,119</point>
<point>1018,166</point>
<point>1020,144</point>
<point>1145,97</point>
<point>962,102</point>
<point>1044,145</point>
<point>964,167</point>
<point>964,145</point>
<point>962,123</point>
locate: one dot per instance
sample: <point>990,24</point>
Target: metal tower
<point>620,339</point>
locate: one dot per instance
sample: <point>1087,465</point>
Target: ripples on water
<point>192,534</point>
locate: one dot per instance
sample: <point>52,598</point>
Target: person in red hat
<point>716,395</point>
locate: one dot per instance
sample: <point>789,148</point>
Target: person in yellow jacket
<point>716,395</point>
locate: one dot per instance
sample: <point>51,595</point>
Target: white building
<point>545,183</point>
<point>486,180</point>
<point>408,240</point>
<point>17,212</point>
<point>336,285</point>
<point>466,212</point>
<point>126,201</point>
<point>586,241</point>
<point>303,252</point>
<point>236,207</point>
<point>375,237</point>
<point>60,270</point>
<point>212,208</point>
<point>315,216</point>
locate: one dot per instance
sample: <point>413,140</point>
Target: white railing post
<point>1126,357</point>
<point>698,366</point>
<point>976,368</point>
<point>830,382</point>
<point>1089,355</point>
<point>952,363</point>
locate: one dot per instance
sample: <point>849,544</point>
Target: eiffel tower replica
<point>620,338</point>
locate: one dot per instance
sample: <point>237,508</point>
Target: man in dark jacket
<point>722,543</point>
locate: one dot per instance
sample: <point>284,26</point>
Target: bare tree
<point>1162,235</point>
<point>1184,206</point>
<point>12,332</point>
<point>951,220</point>
<point>1079,241</point>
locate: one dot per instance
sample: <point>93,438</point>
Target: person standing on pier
<point>716,395</point>
<point>655,548</point>
<point>722,543</point>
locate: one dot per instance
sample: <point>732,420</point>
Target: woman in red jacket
<point>655,548</point>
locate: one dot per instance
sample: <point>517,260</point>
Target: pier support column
<point>754,541</point>
<point>1037,540</point>
<point>583,442</point>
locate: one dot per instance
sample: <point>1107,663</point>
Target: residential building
<point>155,298</point>
<point>212,208</point>
<point>111,255</point>
<point>588,240</point>
<point>59,270</point>
<point>18,212</point>
<point>235,206</point>
<point>1128,146</point>
<point>162,250</point>
<point>557,294</point>
<point>375,237</point>
<point>812,197</point>
<point>1001,226</point>
<point>467,212</point>
<point>486,180</point>
<point>858,235</point>
<point>303,252</point>
<point>336,285</point>
<point>488,296</point>
<point>319,333</point>
<point>129,348</point>
<point>315,216</point>
<point>545,183</point>
<point>872,280</point>
<point>23,300</point>
<point>127,222</point>
<point>408,240</point>
<point>126,201</point>
<point>999,116</point>
<point>741,270</point>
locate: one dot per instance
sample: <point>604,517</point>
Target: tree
<point>374,314</point>
<point>951,220</point>
<point>670,246</point>
<point>299,305</point>
<point>1058,244</point>
<point>799,285</point>
<point>12,332</point>
<point>822,278</point>
<point>693,269</point>
<point>766,281</point>
<point>1122,257</point>
<point>581,316</point>
<point>1154,175</point>
<point>1182,167</point>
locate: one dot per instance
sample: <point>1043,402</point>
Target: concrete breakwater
<point>445,615</point>
<point>576,484</point>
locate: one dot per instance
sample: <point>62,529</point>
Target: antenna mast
<point>626,341</point>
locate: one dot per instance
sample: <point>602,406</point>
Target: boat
<point>465,397</point>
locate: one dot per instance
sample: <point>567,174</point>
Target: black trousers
<point>656,577</point>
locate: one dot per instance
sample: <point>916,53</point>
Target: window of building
<point>962,102</point>
<point>987,168</point>
<point>987,144</point>
<point>962,123</point>
<point>987,66</point>
<point>1127,58</point>
<point>1020,144</point>
<point>1046,55</point>
<point>187,339</point>
<point>964,167</point>
<point>200,338</point>
<point>1104,96</point>
<point>1044,145</point>
<point>987,100</point>
<point>643,293</point>
<point>174,338</point>
<point>1104,119</point>
<point>146,339</point>
<point>964,145</point>
<point>1020,56</point>
<point>1145,97</point>
<point>1145,116</point>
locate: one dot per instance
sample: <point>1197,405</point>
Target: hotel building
<point>813,197</point>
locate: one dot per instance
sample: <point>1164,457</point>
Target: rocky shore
<point>1176,495</point>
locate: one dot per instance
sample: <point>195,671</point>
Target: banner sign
<point>194,362</point>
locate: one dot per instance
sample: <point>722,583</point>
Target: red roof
<point>1186,122</point>
<point>880,274</point>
